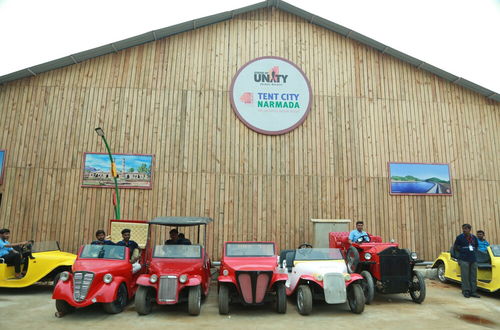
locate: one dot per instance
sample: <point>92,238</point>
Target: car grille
<point>334,288</point>
<point>168,288</point>
<point>81,285</point>
<point>395,270</point>
<point>253,285</point>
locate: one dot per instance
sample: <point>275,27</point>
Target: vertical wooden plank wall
<point>170,98</point>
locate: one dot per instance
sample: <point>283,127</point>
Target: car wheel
<point>440,273</point>
<point>223,299</point>
<point>304,300</point>
<point>368,286</point>
<point>63,307</point>
<point>352,259</point>
<point>118,305</point>
<point>144,300</point>
<point>356,298</point>
<point>280,291</point>
<point>417,287</point>
<point>194,300</point>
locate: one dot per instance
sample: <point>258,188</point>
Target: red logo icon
<point>247,98</point>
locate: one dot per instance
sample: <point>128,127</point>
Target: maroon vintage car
<point>176,272</point>
<point>249,275</point>
<point>101,274</point>
<point>384,266</point>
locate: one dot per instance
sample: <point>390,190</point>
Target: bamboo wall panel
<point>170,98</point>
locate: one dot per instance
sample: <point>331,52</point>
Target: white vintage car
<point>321,274</point>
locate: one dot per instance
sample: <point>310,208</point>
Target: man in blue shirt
<point>481,241</point>
<point>11,256</point>
<point>358,233</point>
<point>101,238</point>
<point>466,245</point>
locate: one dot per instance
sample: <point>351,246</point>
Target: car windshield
<point>250,249</point>
<point>496,250</point>
<point>45,246</point>
<point>177,251</point>
<point>318,254</point>
<point>103,252</point>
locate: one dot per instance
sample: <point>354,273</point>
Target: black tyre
<point>280,291</point>
<point>63,307</point>
<point>144,300</point>
<point>441,269</point>
<point>194,300</point>
<point>356,298</point>
<point>304,299</point>
<point>368,286</point>
<point>417,287</point>
<point>223,299</point>
<point>352,259</point>
<point>120,302</point>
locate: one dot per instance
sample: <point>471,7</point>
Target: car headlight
<point>318,277</point>
<point>64,276</point>
<point>183,278</point>
<point>413,255</point>
<point>153,278</point>
<point>225,272</point>
<point>347,277</point>
<point>108,278</point>
<point>368,256</point>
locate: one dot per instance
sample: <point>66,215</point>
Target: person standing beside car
<point>11,256</point>
<point>466,244</point>
<point>358,233</point>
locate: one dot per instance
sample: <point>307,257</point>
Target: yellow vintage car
<point>488,268</point>
<point>49,261</point>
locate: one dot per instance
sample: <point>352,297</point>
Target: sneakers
<point>466,294</point>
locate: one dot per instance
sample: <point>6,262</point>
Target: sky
<point>458,36</point>
<point>421,171</point>
<point>101,161</point>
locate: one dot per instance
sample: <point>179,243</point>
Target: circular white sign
<point>271,95</point>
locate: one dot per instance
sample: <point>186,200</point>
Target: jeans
<point>14,259</point>
<point>468,272</point>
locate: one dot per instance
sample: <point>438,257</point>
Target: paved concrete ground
<point>443,308</point>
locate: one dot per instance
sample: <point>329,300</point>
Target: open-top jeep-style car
<point>384,266</point>
<point>47,264</point>
<point>175,272</point>
<point>249,274</point>
<point>321,274</point>
<point>101,274</point>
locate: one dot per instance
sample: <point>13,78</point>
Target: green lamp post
<point>100,132</point>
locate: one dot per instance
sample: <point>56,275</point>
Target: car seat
<point>483,260</point>
<point>283,256</point>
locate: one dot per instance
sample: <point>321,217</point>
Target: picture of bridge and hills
<point>419,179</point>
<point>134,171</point>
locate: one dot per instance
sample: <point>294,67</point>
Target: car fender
<point>144,281</point>
<point>193,280</point>
<point>354,278</point>
<point>63,290</point>
<point>107,292</point>
<point>309,278</point>
<point>444,257</point>
<point>226,279</point>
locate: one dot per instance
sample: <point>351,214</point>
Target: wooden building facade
<point>170,98</point>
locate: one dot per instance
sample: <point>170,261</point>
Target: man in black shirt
<point>135,252</point>
<point>466,245</point>
<point>101,238</point>
<point>176,239</point>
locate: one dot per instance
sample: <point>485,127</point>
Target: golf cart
<point>175,272</point>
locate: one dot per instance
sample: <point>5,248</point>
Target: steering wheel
<point>364,238</point>
<point>305,246</point>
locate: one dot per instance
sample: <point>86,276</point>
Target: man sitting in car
<point>175,239</point>
<point>10,255</point>
<point>101,238</point>
<point>134,249</point>
<point>358,233</point>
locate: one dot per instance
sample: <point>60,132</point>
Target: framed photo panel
<point>419,179</point>
<point>2,165</point>
<point>134,171</point>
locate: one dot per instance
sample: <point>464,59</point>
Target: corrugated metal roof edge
<point>204,21</point>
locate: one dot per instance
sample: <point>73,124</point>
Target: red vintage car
<point>101,274</point>
<point>384,266</point>
<point>249,275</point>
<point>175,272</point>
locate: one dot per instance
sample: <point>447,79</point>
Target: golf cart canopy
<point>180,221</point>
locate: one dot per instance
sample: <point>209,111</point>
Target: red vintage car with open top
<point>176,272</point>
<point>385,267</point>
<point>249,275</point>
<point>101,274</point>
